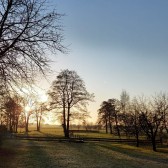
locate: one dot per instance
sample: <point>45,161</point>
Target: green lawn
<point>42,154</point>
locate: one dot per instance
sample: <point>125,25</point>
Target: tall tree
<point>151,118</point>
<point>104,117</point>
<point>133,121</point>
<point>13,110</point>
<point>28,30</point>
<point>68,91</point>
<point>115,113</point>
<point>40,109</point>
<point>124,109</point>
<point>108,114</point>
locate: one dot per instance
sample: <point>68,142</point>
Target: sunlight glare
<point>27,108</point>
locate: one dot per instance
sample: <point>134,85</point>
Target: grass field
<point>57,131</point>
<point>15,153</point>
<point>36,154</point>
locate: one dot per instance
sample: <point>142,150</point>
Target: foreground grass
<point>30,154</point>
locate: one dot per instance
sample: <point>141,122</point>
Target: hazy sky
<point>116,45</point>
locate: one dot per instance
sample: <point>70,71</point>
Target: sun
<point>42,96</point>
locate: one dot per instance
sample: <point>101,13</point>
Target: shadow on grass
<point>137,152</point>
<point>29,154</point>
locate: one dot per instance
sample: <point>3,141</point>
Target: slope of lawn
<point>42,154</point>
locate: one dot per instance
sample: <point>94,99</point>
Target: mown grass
<point>30,154</point>
<point>57,131</point>
<point>49,130</point>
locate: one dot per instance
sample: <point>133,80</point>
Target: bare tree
<point>27,31</point>
<point>29,108</point>
<point>13,110</point>
<point>40,109</point>
<point>108,114</point>
<point>162,99</point>
<point>68,92</point>
<point>151,118</point>
<point>104,116</point>
<point>134,123</point>
<point>124,109</point>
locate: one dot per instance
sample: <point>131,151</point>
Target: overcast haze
<point>116,45</point>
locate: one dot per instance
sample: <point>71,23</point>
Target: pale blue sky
<point>116,45</point>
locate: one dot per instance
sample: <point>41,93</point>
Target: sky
<point>115,45</point>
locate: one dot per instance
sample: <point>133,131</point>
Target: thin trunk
<point>153,143</point>
<point>16,128</point>
<point>106,126</point>
<point>110,126</point>
<point>116,121</point>
<point>137,138</point>
<point>153,138</point>
<point>39,123</point>
<point>27,124</point>
<point>68,118</point>
<point>10,124</point>
<point>17,121</point>
<point>64,121</point>
<point>37,118</point>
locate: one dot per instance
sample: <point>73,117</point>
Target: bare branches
<point>27,31</point>
<point>68,91</point>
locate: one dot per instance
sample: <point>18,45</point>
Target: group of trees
<point>30,30</point>
<point>68,99</point>
<point>16,111</point>
<point>139,116</point>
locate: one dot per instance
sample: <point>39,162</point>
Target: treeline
<point>17,111</point>
<point>30,31</point>
<point>68,99</point>
<point>137,117</point>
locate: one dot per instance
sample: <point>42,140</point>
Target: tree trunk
<point>64,121</point>
<point>106,127</point>
<point>116,120</point>
<point>10,124</point>
<point>153,143</point>
<point>27,124</point>
<point>37,123</point>
<point>68,118</point>
<point>111,131</point>
<point>137,139</point>
<point>16,127</point>
<point>110,126</point>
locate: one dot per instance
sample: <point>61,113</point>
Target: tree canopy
<point>28,29</point>
<point>68,91</point>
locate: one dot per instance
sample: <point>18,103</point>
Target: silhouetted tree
<point>4,93</point>
<point>151,118</point>
<point>40,109</point>
<point>27,31</point>
<point>29,108</point>
<point>115,113</point>
<point>162,98</point>
<point>124,110</point>
<point>13,111</point>
<point>68,91</point>
<point>104,115</point>
<point>134,122</point>
<point>108,114</point>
